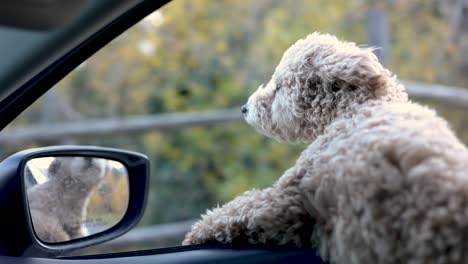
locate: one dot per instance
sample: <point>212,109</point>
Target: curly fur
<point>58,206</point>
<point>384,180</point>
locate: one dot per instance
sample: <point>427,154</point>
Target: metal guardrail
<point>115,126</point>
<point>444,94</point>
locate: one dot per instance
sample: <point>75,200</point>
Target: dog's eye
<point>336,86</point>
<point>277,88</point>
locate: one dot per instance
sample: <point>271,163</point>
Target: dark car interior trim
<point>39,14</point>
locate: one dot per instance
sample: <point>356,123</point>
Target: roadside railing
<point>115,126</point>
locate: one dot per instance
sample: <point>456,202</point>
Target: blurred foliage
<point>199,55</point>
<point>109,202</point>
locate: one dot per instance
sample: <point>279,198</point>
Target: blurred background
<point>172,85</point>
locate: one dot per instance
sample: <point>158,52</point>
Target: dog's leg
<point>275,216</point>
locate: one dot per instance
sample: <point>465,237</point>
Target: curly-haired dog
<point>384,180</point>
<point>58,206</point>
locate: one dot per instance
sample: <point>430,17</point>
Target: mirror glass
<point>70,197</point>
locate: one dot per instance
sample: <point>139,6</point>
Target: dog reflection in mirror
<point>58,206</point>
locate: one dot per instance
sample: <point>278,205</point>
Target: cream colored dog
<point>384,180</point>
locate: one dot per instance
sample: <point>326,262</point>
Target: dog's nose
<point>244,109</point>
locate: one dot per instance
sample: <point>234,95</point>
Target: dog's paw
<point>203,232</point>
<point>193,239</point>
<point>199,234</point>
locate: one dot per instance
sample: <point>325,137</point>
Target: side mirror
<point>77,196</point>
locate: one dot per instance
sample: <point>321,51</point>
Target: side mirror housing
<point>62,191</point>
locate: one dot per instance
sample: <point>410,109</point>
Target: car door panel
<point>192,255</point>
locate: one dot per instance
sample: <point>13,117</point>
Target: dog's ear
<point>54,167</point>
<point>355,70</point>
<point>364,70</point>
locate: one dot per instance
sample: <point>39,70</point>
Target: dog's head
<point>83,172</point>
<point>318,78</point>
